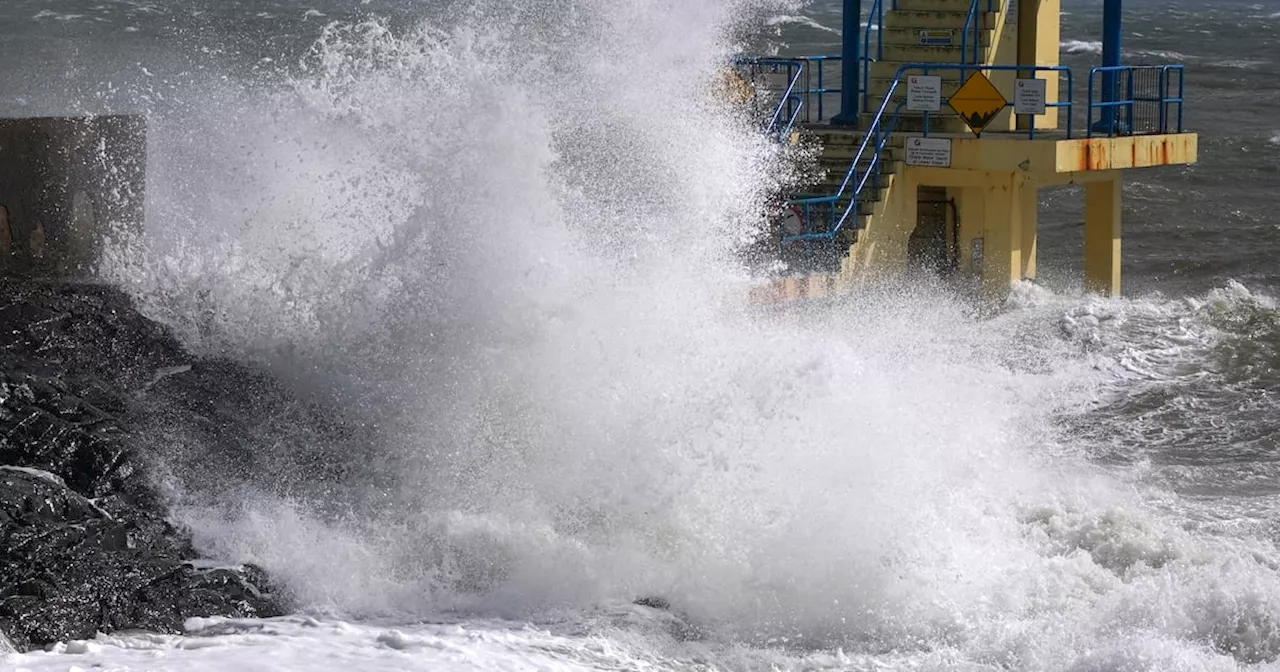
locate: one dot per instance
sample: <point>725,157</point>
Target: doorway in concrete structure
<point>933,244</point>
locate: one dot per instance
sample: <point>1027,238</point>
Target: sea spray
<point>507,247</point>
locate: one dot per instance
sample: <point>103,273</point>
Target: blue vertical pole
<point>1111,17</point>
<point>850,56</point>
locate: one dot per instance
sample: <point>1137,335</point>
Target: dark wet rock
<point>679,626</point>
<point>85,543</point>
<point>654,602</point>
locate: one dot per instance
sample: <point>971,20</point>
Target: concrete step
<point>846,153</point>
<point>902,18</point>
<point>886,69</point>
<point>833,137</point>
<point>957,6</point>
<point>880,86</point>
<point>915,36</point>
<point>836,169</point>
<point>938,123</point>
<point>915,53</point>
<point>866,208</point>
<point>942,121</point>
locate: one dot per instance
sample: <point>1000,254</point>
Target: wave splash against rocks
<point>89,391</point>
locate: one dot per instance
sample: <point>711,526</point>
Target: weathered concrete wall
<point>64,184</point>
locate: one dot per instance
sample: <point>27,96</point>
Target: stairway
<point>839,148</point>
<point>916,31</point>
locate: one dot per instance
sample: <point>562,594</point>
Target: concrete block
<point>65,183</point>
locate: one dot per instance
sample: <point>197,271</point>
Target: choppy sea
<point>503,233</point>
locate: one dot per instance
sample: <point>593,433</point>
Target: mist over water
<point>504,241</point>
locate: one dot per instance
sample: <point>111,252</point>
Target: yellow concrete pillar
<point>1002,234</point>
<point>1102,207</point>
<point>1030,201</point>
<point>1039,43</point>
<point>969,204</point>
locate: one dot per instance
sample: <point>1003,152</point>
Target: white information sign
<point>931,152</point>
<point>1028,96</point>
<point>924,93</point>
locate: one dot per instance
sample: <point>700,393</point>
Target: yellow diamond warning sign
<point>978,102</point>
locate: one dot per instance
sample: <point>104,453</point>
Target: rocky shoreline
<point>85,542</point>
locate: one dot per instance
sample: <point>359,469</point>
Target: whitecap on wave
<point>791,19</point>
<point>1081,46</point>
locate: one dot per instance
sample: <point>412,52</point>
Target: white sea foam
<point>1081,46</point>
<point>1167,56</point>
<point>57,16</point>
<point>788,19</point>
<point>508,243</point>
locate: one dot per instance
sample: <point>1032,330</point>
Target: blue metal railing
<point>876,138</point>
<point>1145,87</point>
<point>790,102</point>
<point>880,132</point>
<point>819,90</point>
<point>1068,104</point>
<point>812,95</point>
<point>789,106</point>
<point>808,85</point>
<point>974,19</point>
<point>874,19</point>
<point>972,23</point>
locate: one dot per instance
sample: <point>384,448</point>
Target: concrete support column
<point>1039,43</point>
<point>67,183</point>
<point>1112,15</point>
<point>969,204</point>
<point>1030,204</point>
<point>850,65</point>
<point>1102,208</point>
<point>1002,234</point>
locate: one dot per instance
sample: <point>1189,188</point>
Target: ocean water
<point>504,236</point>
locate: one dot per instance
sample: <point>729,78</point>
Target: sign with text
<point>924,93</point>
<point>930,152</point>
<point>1029,96</point>
<point>937,37</point>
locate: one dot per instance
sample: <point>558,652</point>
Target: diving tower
<point>939,123</point>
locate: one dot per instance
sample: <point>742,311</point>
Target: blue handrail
<point>974,18</point>
<point>1109,122</point>
<point>793,68</point>
<point>820,92</point>
<point>882,131</point>
<point>876,19</point>
<point>788,99</point>
<point>885,122</point>
<point>813,93</point>
<point>1069,103</point>
<point>877,131</point>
